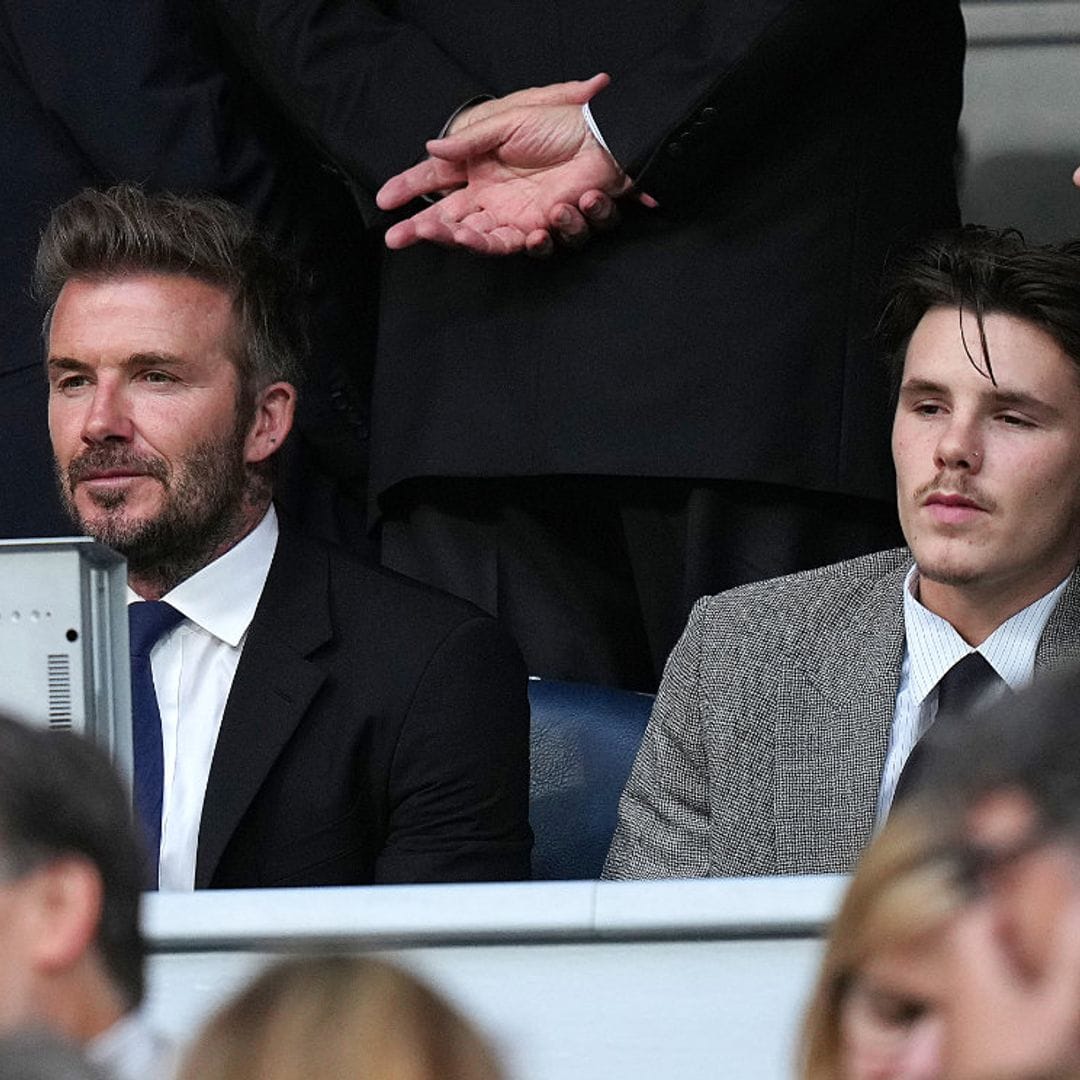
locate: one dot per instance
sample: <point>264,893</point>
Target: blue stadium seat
<point>583,742</point>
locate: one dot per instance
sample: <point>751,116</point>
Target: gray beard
<point>203,510</point>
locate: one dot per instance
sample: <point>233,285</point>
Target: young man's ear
<point>275,407</point>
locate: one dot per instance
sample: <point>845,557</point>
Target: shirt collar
<point>933,646</point>
<point>222,596</point>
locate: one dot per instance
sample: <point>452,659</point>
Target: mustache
<point>954,485</point>
<point>103,458</point>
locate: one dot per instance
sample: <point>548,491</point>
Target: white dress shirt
<point>193,668</point>
<point>931,648</point>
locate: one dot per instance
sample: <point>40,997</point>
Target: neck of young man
<point>976,609</point>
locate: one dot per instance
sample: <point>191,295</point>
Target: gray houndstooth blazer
<point>766,744</point>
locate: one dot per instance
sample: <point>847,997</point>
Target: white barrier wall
<point>605,981</point>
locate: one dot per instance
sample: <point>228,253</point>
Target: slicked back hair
<point>98,235</point>
<point>60,798</point>
<point>982,271</point>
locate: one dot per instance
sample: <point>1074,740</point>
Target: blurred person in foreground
<point>874,1014</point>
<point>336,1017</point>
<point>1003,792</point>
<point>71,953</point>
<point>299,718</point>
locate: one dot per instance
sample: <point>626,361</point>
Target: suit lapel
<point>274,684</point>
<point>834,711</point>
<point>1061,638</point>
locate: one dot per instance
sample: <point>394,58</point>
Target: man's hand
<point>1076,178</point>
<point>520,165</point>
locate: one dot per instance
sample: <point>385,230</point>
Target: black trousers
<point>595,576</point>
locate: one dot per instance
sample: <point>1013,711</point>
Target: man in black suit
<point>321,721</point>
<point>586,444</point>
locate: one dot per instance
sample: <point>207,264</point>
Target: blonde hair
<point>903,890</point>
<point>338,1017</point>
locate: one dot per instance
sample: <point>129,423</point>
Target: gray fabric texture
<point>765,747</point>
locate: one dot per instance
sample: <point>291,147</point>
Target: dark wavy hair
<point>982,270</point>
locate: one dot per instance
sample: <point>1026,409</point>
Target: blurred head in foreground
<point>874,1014</point>
<point>1003,792</point>
<point>71,954</point>
<point>338,1016</point>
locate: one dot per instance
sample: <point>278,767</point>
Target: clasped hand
<point>511,172</point>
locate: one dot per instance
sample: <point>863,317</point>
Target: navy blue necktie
<point>148,620</point>
<point>965,685</point>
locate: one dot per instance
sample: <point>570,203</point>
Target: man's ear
<point>275,407</point>
<point>66,910</point>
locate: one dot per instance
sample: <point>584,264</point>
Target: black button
<point>674,149</point>
<point>708,113</point>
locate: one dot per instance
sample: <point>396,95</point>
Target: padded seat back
<point>583,742</point>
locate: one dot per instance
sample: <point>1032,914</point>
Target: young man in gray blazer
<point>789,707</point>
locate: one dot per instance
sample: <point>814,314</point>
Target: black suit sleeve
<point>702,93</point>
<point>459,777</point>
<point>368,90</point>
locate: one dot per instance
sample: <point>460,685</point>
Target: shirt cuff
<point>586,112</point>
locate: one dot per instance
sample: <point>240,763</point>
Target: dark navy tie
<point>967,683</point>
<point>148,620</point>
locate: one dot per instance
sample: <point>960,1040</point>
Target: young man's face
<point>988,477</point>
<point>143,409</point>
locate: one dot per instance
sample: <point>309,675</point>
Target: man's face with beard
<point>150,446</point>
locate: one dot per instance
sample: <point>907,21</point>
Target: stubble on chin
<point>204,507</point>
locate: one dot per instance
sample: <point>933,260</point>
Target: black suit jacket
<point>376,731</point>
<point>791,144</point>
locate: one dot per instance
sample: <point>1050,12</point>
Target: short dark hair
<point>125,230</point>
<point>982,270</point>
<point>1028,742</point>
<point>60,796</point>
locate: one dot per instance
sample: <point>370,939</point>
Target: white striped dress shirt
<point>193,668</point>
<point>931,648</point>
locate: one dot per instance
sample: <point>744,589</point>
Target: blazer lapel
<point>274,684</point>
<point>834,713</point>
<point>1061,638</point>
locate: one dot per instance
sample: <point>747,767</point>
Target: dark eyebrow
<point>1000,397</point>
<point>141,359</point>
<point>1016,399</point>
<point>922,386</point>
<point>64,363</point>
